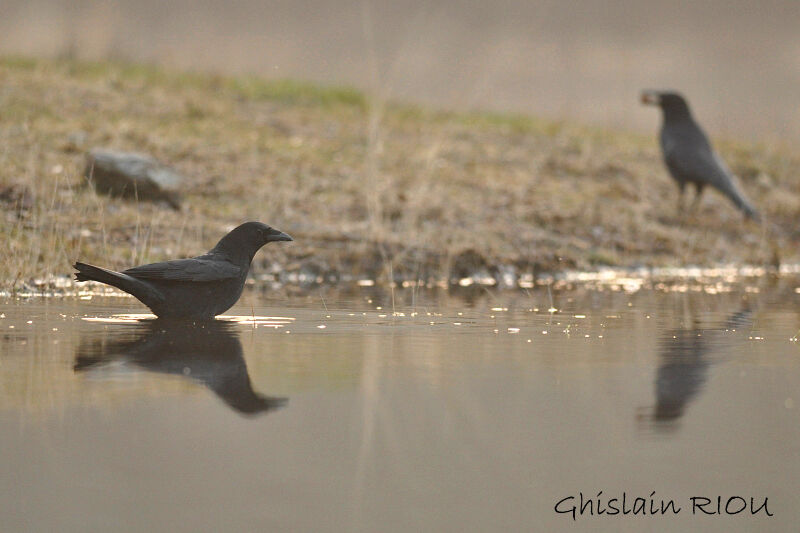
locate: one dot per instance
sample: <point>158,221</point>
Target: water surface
<point>367,410</point>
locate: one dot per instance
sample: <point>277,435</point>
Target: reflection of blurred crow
<point>681,374</point>
<point>209,353</point>
<point>199,288</point>
<point>683,366</point>
<point>688,154</point>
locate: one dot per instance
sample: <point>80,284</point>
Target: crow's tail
<point>736,196</point>
<point>87,272</point>
<point>141,290</point>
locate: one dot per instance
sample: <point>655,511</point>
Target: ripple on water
<point>249,320</point>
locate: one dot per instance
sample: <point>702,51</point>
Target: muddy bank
<point>370,190</point>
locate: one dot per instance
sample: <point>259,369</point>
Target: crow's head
<point>670,102</point>
<point>249,237</point>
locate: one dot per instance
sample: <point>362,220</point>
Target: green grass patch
<point>295,92</point>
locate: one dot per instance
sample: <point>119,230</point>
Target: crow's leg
<point>681,189</point>
<point>698,187</point>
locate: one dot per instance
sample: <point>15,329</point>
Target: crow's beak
<point>650,98</point>
<point>279,236</point>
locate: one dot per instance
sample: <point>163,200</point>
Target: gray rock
<point>133,176</point>
<point>506,276</point>
<point>17,197</point>
<point>470,267</point>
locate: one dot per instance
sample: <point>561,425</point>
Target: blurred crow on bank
<point>688,154</point>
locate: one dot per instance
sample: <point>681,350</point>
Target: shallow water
<point>369,410</point>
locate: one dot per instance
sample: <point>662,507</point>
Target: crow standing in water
<point>199,288</point>
<point>688,154</point>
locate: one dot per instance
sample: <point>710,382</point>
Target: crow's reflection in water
<point>684,363</point>
<point>209,353</point>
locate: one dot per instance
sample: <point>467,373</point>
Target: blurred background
<point>738,61</point>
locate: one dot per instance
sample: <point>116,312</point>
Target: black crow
<point>199,288</point>
<point>688,154</point>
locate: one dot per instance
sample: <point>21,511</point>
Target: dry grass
<point>365,188</point>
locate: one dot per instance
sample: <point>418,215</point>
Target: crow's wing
<point>196,269</point>
<point>693,159</point>
<point>691,164</point>
<point>696,164</point>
